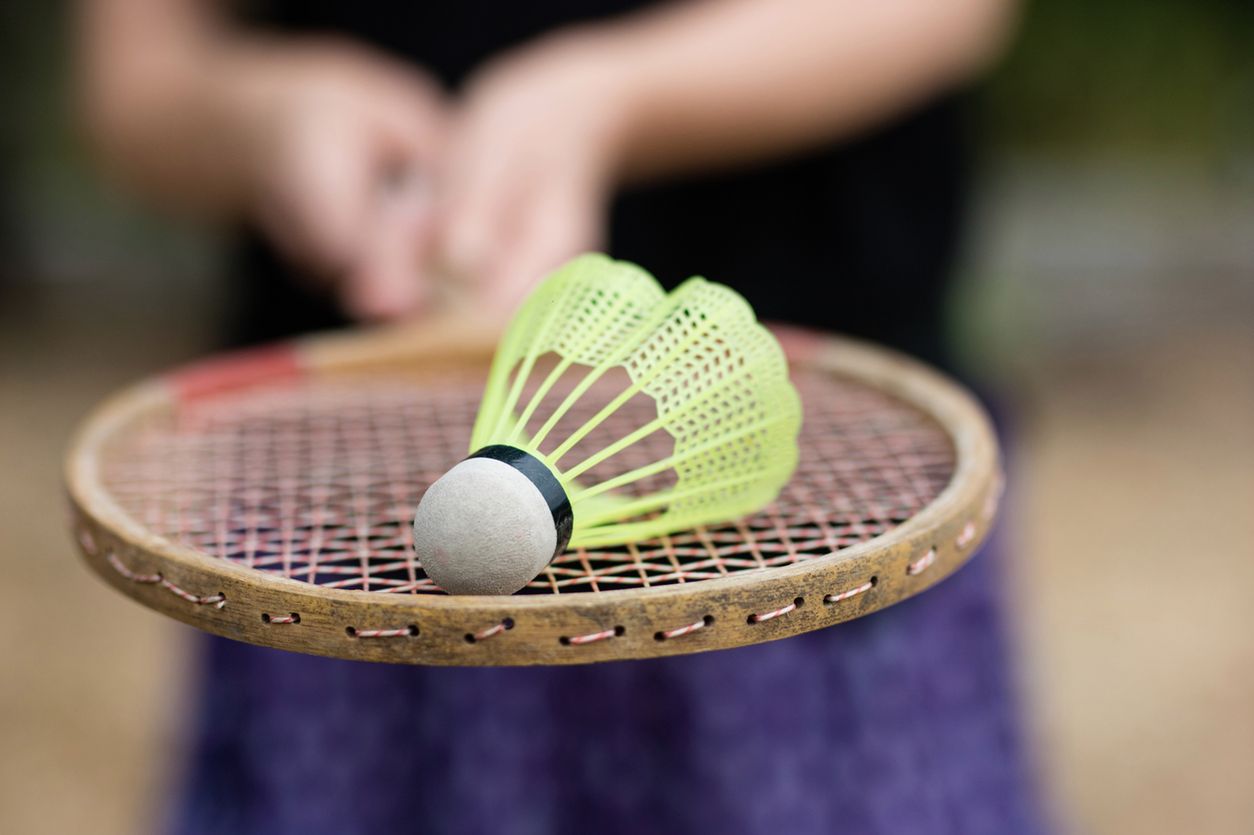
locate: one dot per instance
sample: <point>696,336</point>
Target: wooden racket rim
<point>740,609</point>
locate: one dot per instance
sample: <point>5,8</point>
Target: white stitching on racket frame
<point>923,563</point>
<point>679,631</point>
<point>217,601</point>
<point>491,631</point>
<point>848,593</point>
<point>592,637</point>
<point>762,617</point>
<point>410,631</point>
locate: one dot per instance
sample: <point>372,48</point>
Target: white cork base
<point>483,528</point>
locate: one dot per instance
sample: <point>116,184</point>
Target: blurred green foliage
<point>1163,76</point>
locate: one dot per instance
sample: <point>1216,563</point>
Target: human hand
<point>338,145</point>
<point>531,164</point>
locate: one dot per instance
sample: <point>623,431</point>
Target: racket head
<point>265,496</point>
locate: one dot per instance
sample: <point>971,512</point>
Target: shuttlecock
<point>717,393</point>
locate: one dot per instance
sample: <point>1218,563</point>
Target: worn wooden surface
<point>542,629</point>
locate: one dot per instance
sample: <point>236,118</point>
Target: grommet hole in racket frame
<point>267,496</point>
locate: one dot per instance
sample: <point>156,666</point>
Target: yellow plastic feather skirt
<point>716,416</point>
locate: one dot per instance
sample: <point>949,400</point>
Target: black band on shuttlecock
<point>538,473</point>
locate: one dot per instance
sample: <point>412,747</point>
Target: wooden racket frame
<point>739,609</point>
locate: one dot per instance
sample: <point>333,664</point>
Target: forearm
<point>725,81</point>
<point>155,99</point>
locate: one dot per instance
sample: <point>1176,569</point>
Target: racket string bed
<point>318,482</point>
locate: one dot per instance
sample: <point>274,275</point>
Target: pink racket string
<point>317,481</point>
<point>218,600</point>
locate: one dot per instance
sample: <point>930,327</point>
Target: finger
<point>388,281</point>
<point>414,130</point>
<point>318,213</point>
<point>558,223</point>
<point>478,195</point>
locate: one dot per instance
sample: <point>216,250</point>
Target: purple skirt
<point>901,722</point>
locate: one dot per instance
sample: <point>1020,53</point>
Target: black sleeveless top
<point>858,237</point>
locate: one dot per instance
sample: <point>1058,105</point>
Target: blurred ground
<point>92,683</point>
<point>1137,564</point>
<point>1117,313</point>
<point>1115,301</point>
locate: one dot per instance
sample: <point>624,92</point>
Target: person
<point>382,157</point>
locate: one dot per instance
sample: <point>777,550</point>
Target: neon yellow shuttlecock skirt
<point>655,412</point>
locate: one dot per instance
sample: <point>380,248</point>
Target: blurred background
<point>1107,293</point>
